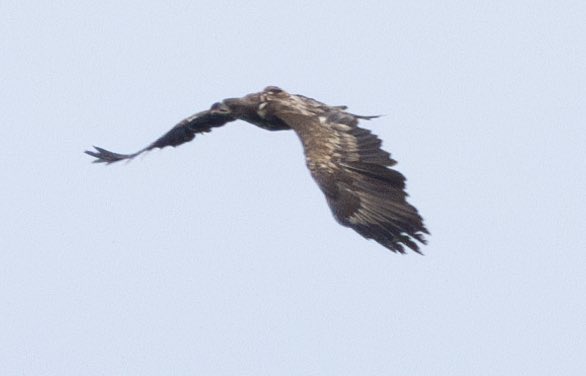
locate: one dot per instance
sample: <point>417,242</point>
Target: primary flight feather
<point>346,161</point>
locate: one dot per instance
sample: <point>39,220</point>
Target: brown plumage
<point>346,161</point>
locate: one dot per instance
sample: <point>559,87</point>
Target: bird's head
<point>254,108</point>
<point>253,99</point>
<point>241,107</point>
<point>220,108</point>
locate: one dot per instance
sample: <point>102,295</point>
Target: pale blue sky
<point>221,257</point>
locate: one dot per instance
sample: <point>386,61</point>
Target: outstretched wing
<point>183,132</point>
<point>353,171</point>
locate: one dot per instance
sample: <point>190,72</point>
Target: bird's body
<point>345,160</point>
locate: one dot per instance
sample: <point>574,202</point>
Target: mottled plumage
<point>346,161</point>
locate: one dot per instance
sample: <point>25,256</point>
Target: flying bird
<point>346,161</point>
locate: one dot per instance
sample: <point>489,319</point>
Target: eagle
<point>345,160</point>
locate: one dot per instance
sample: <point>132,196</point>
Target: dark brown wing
<point>183,132</point>
<point>353,171</point>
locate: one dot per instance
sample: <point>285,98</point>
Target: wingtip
<point>404,242</point>
<point>105,156</point>
<point>369,117</point>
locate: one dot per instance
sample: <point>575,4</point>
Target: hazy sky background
<point>221,257</point>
